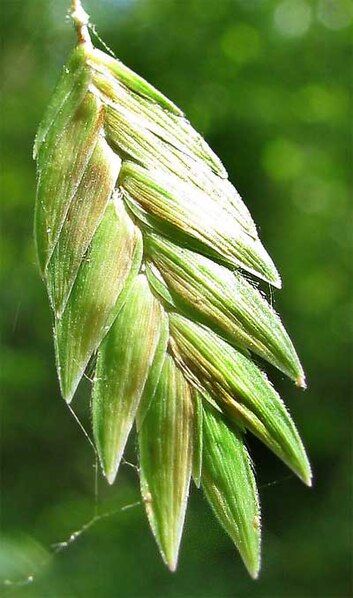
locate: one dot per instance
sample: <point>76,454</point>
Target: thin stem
<point>80,19</point>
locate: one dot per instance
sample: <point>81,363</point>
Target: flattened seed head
<point>146,250</point>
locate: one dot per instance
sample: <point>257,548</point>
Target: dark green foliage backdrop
<point>266,81</point>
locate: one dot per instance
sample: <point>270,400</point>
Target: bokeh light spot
<point>283,160</point>
<point>292,18</point>
<point>313,194</point>
<point>335,14</point>
<point>316,103</point>
<point>241,43</point>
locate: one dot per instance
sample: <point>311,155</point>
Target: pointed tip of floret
<point>68,382</point>
<point>252,563</point>
<point>303,470</point>
<point>66,393</point>
<point>110,476</point>
<point>262,265</point>
<point>300,382</point>
<point>110,468</point>
<point>67,388</point>
<point>67,398</point>
<point>254,573</point>
<point>271,275</point>
<point>309,482</point>
<point>172,565</point>
<point>307,477</point>
<point>276,281</point>
<point>170,554</point>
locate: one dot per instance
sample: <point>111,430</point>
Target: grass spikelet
<point>146,250</point>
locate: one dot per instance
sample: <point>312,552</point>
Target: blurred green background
<point>267,83</point>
